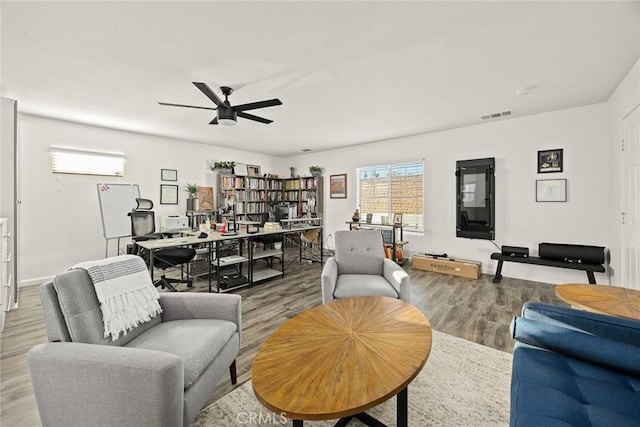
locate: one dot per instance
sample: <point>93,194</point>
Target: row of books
<point>399,252</point>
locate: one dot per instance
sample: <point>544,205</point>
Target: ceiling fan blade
<point>208,92</point>
<point>254,118</point>
<point>214,121</point>
<point>188,106</point>
<point>259,104</point>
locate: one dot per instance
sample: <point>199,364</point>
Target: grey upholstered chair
<point>359,267</point>
<point>159,374</point>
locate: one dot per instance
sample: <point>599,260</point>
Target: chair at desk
<point>143,227</point>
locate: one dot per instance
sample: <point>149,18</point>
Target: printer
<point>169,223</point>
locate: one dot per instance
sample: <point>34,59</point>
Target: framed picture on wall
<point>168,174</point>
<point>397,219</point>
<point>551,190</point>
<point>168,194</point>
<point>550,160</point>
<point>205,195</point>
<point>338,186</point>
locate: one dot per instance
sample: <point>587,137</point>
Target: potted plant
<point>273,199</point>
<point>193,204</point>
<point>315,170</point>
<point>223,167</point>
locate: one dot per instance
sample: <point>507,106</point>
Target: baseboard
<point>36,281</point>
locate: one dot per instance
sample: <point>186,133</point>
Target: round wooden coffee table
<point>602,299</point>
<point>339,359</point>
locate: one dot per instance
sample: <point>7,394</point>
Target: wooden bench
<point>589,268</point>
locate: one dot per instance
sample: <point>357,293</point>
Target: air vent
<point>496,115</point>
<point>306,150</point>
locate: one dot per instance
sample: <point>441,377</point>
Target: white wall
<point>520,221</point>
<point>622,101</point>
<point>61,223</point>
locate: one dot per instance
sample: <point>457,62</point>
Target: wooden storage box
<point>454,267</point>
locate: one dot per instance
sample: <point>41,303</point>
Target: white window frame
<point>417,228</point>
<point>81,162</point>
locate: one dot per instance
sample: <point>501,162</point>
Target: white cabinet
<point>5,271</point>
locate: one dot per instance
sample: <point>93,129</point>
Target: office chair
<point>143,227</point>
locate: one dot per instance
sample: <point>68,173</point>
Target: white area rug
<point>462,384</point>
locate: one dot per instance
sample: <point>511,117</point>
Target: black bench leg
<point>498,276</point>
<point>591,277</point>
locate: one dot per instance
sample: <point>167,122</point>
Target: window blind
<point>389,189</point>
<point>86,162</point>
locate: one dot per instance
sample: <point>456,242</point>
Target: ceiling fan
<point>227,114</point>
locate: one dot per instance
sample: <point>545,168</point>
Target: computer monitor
<point>282,212</point>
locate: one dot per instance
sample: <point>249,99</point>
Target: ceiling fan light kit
<point>226,113</point>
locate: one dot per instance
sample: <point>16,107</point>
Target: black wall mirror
<point>475,201</point>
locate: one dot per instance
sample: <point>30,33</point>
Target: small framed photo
<point>168,194</point>
<point>368,218</point>
<point>551,190</point>
<point>397,219</point>
<point>240,169</point>
<point>253,170</point>
<point>550,160</point>
<point>168,174</point>
<point>338,186</point>
<point>205,195</point>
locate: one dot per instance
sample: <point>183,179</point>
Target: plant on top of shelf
<point>315,170</point>
<point>227,165</point>
<point>192,189</point>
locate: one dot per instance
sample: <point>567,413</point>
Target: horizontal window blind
<point>86,162</point>
<point>386,190</point>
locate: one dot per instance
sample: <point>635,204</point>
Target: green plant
<point>315,168</point>
<point>273,199</point>
<point>223,165</point>
<point>192,189</point>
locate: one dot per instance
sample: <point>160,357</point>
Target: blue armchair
<point>574,368</point>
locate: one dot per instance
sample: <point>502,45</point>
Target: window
<point>86,162</point>
<point>387,190</point>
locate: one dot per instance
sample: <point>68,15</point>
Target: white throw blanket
<point>126,294</point>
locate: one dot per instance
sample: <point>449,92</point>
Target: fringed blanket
<point>126,294</point>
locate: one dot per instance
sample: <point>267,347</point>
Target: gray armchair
<point>159,374</point>
<point>359,267</point>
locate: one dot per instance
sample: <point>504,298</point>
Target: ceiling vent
<point>496,115</point>
<point>306,150</point>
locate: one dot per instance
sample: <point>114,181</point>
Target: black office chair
<point>143,227</point>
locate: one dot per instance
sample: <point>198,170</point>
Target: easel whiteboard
<point>116,201</point>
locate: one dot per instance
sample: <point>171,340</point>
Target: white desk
<point>300,222</point>
<point>215,238</point>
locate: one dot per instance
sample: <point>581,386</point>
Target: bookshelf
<point>392,238</point>
<point>250,194</point>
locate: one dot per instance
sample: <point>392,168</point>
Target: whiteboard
<point>116,201</point>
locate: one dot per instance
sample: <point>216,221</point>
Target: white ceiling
<point>346,72</point>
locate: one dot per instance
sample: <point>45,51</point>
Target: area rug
<point>462,384</point>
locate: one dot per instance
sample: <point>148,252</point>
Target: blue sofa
<point>574,368</point>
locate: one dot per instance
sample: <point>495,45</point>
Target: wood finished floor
<point>476,310</point>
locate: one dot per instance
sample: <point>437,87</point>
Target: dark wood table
<point>339,359</point>
<point>602,299</point>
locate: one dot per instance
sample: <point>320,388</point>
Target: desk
<point>334,360</point>
<point>611,300</point>
<point>300,222</point>
<point>213,241</point>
